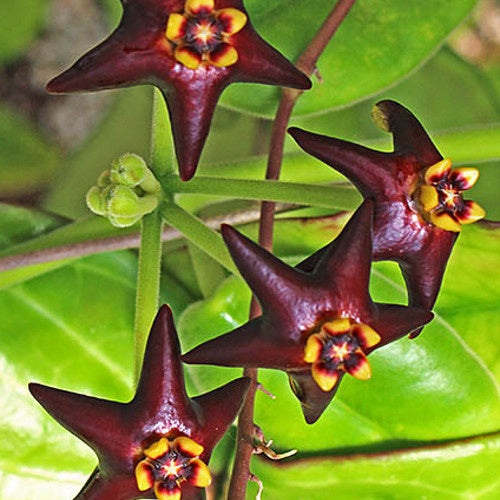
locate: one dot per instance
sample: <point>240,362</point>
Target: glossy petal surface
<point>296,304</point>
<point>117,432</point>
<point>420,244</point>
<point>147,47</point>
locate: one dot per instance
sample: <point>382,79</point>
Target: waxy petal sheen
<point>138,52</point>
<point>117,432</point>
<point>296,303</point>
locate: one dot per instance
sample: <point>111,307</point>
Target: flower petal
<point>428,197</point>
<point>144,475</point>
<point>162,492</point>
<point>314,346</point>
<point>464,178</point>
<point>337,326</point>
<point>176,27</point>
<point>358,366</point>
<point>187,446</point>
<point>224,55</point>
<point>471,212</point>
<point>325,378</point>
<point>201,476</point>
<point>157,449</point>
<point>437,171</point>
<point>445,221</point>
<point>366,335</point>
<point>195,7</point>
<point>233,20</point>
<point>188,57</point>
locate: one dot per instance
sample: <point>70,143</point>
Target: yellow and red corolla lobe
<point>168,465</point>
<point>440,196</point>
<point>202,34</point>
<point>339,346</point>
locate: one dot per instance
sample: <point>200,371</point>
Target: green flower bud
<point>104,179</point>
<point>128,170</point>
<point>95,201</point>
<point>121,201</point>
<point>124,207</point>
<point>124,221</point>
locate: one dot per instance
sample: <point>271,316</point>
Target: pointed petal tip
<point>55,86</point>
<point>301,136</point>
<point>207,354</point>
<point>163,324</point>
<point>426,317</point>
<point>302,81</point>
<point>165,312</point>
<point>230,235</point>
<point>305,139</point>
<point>187,171</point>
<point>44,394</point>
<point>384,110</point>
<point>37,390</point>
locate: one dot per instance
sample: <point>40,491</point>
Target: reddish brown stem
<point>307,63</point>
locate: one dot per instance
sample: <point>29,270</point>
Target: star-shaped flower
<point>192,50</point>
<point>418,202</point>
<point>315,326</point>
<point>158,444</point>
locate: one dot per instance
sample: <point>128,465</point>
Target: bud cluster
<point>126,192</point>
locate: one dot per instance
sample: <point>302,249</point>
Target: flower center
<point>440,200</point>
<point>173,468</point>
<point>338,346</point>
<point>336,349</point>
<point>202,34</point>
<point>169,464</point>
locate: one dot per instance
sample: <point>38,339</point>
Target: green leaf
<point>19,24</point>
<point>436,387</point>
<point>18,224</point>
<point>379,43</point>
<point>460,469</point>
<point>71,328</point>
<point>27,162</point>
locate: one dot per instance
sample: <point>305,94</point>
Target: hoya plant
<point>262,263</point>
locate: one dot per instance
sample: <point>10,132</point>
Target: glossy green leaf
<point>436,387</point>
<point>460,469</point>
<point>19,24</point>
<point>53,329</point>
<point>364,57</point>
<point>27,161</point>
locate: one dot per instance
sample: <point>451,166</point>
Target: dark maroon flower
<point>158,443</point>
<point>315,325</point>
<point>191,50</point>
<point>418,201</point>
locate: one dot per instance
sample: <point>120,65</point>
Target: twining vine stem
<point>307,63</point>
